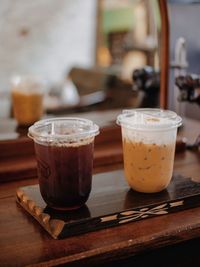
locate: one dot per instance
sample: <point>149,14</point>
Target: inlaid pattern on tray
<point>111,203</point>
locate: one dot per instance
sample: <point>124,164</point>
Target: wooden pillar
<point>164,54</point>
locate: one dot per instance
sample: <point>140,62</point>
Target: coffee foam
<point>158,138</point>
<point>147,121</point>
<point>73,143</point>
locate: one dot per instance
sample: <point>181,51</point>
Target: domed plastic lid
<point>68,129</point>
<point>149,119</point>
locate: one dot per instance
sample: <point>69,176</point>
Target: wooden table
<point>24,243</point>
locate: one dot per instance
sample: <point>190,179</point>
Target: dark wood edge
<point>125,249</point>
<point>164,54</point>
<point>52,226</point>
<point>60,229</point>
<point>107,154</point>
<point>24,146</point>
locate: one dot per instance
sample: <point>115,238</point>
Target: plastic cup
<point>64,152</point>
<point>27,98</point>
<point>149,138</point>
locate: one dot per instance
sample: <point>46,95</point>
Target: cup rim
<point>17,84</point>
<point>93,129</point>
<point>129,119</point>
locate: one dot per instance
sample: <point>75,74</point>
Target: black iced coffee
<point>64,152</point>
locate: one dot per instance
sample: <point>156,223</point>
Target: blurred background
<point>86,51</point>
<point>96,54</point>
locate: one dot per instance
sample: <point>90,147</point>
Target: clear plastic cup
<point>64,152</point>
<point>27,99</point>
<point>149,138</point>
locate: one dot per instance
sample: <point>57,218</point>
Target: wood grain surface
<point>23,243</point>
<point>111,203</point>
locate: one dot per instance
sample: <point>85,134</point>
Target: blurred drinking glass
<point>27,99</point>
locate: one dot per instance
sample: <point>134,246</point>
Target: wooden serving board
<point>111,203</point>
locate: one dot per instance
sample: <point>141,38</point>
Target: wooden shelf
<point>18,157</point>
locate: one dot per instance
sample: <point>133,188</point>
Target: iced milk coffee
<point>149,137</point>
<point>27,99</point>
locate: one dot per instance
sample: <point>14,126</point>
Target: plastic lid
<point>68,129</point>
<point>149,119</point>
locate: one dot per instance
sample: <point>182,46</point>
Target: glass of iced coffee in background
<point>64,152</point>
<point>149,138</point>
<point>27,99</point>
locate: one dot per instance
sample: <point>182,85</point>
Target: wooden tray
<point>111,203</point>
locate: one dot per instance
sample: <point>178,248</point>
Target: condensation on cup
<point>149,138</point>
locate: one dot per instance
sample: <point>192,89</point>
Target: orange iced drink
<point>148,167</point>
<point>149,137</point>
<point>27,99</point>
<point>27,108</point>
